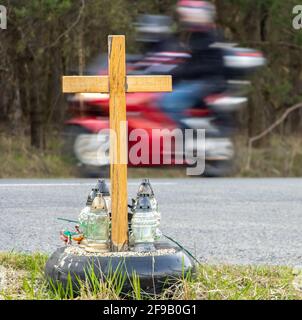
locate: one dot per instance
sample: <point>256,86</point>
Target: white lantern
<point>143,222</point>
<point>145,189</point>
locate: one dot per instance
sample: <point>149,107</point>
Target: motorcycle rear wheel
<point>216,169</point>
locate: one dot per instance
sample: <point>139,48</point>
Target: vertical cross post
<point>117,83</point>
<point>118,143</point>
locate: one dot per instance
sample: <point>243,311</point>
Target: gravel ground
<point>242,221</point>
<point>82,252</point>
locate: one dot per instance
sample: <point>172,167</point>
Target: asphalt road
<point>243,221</point>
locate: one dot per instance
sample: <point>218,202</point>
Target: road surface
<point>242,221</point>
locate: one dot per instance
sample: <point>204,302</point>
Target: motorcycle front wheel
<point>83,147</point>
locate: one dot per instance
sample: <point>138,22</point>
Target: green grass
<point>279,156</point>
<point>19,160</point>
<point>22,277</point>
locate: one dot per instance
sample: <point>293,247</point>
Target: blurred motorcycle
<point>214,113</point>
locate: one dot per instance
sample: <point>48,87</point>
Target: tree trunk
<point>36,131</point>
<point>36,122</point>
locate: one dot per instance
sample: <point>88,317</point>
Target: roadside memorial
<point>112,235</point>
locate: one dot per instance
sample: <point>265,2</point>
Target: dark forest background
<point>47,38</point>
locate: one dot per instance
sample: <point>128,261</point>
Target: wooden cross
<point>117,83</point>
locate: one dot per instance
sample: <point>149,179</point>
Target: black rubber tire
<point>155,272</point>
<point>216,169</point>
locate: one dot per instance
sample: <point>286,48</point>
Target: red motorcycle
<point>88,143</point>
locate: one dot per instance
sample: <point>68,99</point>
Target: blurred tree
<point>268,26</point>
<point>47,38</point>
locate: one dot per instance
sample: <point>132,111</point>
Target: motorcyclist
<point>154,32</point>
<point>203,73</point>
<point>157,40</point>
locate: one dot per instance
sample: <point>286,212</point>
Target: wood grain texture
<point>149,84</point>
<point>95,84</point>
<point>118,170</point>
<point>85,84</point>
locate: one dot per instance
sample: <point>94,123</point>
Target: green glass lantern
<point>93,223</point>
<point>97,225</point>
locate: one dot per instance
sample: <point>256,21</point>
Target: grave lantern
<point>102,189</point>
<point>143,225</point>
<point>97,232</point>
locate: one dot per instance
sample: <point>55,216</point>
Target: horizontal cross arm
<point>96,84</point>
<point>85,84</point>
<point>149,84</point>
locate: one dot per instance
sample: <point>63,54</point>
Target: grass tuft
<point>22,277</point>
<point>279,156</point>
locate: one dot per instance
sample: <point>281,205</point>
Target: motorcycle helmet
<point>196,15</point>
<point>153,28</point>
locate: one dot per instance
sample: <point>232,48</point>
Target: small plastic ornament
<point>67,236</point>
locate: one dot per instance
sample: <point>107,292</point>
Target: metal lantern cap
<point>145,188</point>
